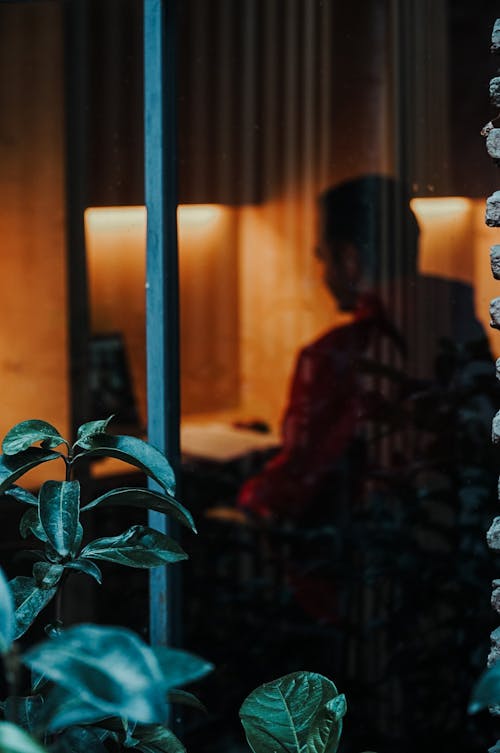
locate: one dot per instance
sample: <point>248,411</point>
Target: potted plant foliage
<point>93,688</point>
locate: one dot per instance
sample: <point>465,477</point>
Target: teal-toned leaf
<point>22,495</point>
<point>299,712</point>
<point>25,434</point>
<point>183,698</point>
<point>87,432</point>
<point>180,667</point>
<point>145,499</point>
<point>86,566</point>
<point>156,738</point>
<point>112,669</point>
<point>63,709</point>
<point>136,452</point>
<point>7,619</point>
<point>24,710</point>
<point>30,525</point>
<point>38,682</point>
<point>140,546</point>
<point>47,574</point>
<point>495,748</point>
<point>12,467</point>
<point>59,510</point>
<point>13,739</point>
<point>29,600</point>
<point>81,740</point>
<point>486,692</point>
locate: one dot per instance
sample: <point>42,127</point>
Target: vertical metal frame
<point>162,293</point>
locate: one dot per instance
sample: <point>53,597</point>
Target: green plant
<point>93,688</point>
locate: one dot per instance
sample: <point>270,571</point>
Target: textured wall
<point>33,323</point>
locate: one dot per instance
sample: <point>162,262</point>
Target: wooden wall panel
<point>33,321</point>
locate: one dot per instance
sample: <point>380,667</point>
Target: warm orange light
<point>114,221</point>
<point>201,216</point>
<point>440,206</point>
<point>446,230</point>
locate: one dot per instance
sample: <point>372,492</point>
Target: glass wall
<point>337,361</point>
<point>337,364</point>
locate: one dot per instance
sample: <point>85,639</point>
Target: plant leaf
<point>139,546</point>
<point>29,600</point>
<point>62,709</point>
<point>180,667</point>
<point>7,619</point>
<point>12,467</point>
<point>146,499</point>
<point>83,565</point>
<point>109,668</point>
<point>47,574</point>
<point>183,698</point>
<point>25,710</point>
<point>13,739</point>
<point>88,431</point>
<point>486,691</point>
<point>156,738</point>
<point>22,495</point>
<point>136,452</point>
<point>299,712</point>
<point>30,524</point>
<point>82,740</point>
<point>59,509</point>
<point>23,435</point>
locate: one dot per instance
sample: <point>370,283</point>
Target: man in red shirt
<point>361,223</point>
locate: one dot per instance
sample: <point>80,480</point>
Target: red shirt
<point>322,417</point>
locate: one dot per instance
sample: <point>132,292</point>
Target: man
<point>328,402</point>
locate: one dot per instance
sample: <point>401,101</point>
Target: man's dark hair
<point>373,212</point>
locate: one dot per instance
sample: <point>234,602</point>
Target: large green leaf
<point>86,566</point>
<point>13,739</point>
<point>87,432</point>
<point>81,740</point>
<point>180,667</point>
<point>110,668</point>
<point>140,546</point>
<point>486,692</point>
<point>29,600</point>
<point>24,710</point>
<point>23,435</point>
<point>59,510</point>
<point>63,709</point>
<point>47,574</point>
<point>30,524</point>
<point>156,738</point>
<point>12,467</point>
<point>183,698</point>
<point>22,495</point>
<point>136,452</point>
<point>7,619</point>
<point>299,713</point>
<point>146,499</point>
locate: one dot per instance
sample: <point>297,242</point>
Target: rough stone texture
<point>497,369</point>
<point>493,210</point>
<point>495,313</point>
<point>493,143</point>
<point>493,537</point>
<point>495,596</point>
<point>495,261</point>
<point>495,428</point>
<point>495,91</point>
<point>495,38</point>
<point>494,654</point>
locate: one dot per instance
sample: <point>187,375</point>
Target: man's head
<point>367,232</point>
